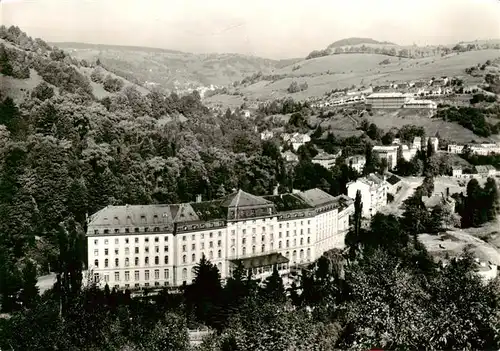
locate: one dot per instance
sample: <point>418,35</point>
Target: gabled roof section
<point>209,210</point>
<point>393,179</point>
<point>316,197</point>
<point>244,199</point>
<point>132,215</point>
<point>186,213</point>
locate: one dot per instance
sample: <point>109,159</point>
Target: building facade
<point>159,245</point>
<point>373,193</point>
<point>325,159</point>
<point>388,153</point>
<point>356,162</point>
<point>386,100</point>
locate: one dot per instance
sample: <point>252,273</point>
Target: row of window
<point>127,250</point>
<point>127,261</point>
<point>136,230</point>
<point>210,245</point>
<point>202,236</point>
<point>156,275</point>
<point>127,240</point>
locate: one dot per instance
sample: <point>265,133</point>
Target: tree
<point>491,201</point>
<point>42,91</point>
<point>169,334</point>
<point>29,292</point>
<point>274,289</point>
<point>293,88</point>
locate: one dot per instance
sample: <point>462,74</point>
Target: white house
<point>457,171</point>
<point>486,171</point>
<point>266,135</point>
<point>290,157</point>
<point>455,149</point>
<point>325,159</point>
<point>296,139</point>
<point>136,246</point>
<point>356,162</point>
<point>389,153</point>
<point>373,193</point>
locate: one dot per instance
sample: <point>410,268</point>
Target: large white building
<point>386,100</point>
<point>325,159</point>
<point>356,162</point>
<point>373,193</point>
<point>478,149</point>
<point>159,245</point>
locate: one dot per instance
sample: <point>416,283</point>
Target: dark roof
<point>261,261</point>
<point>209,210</point>
<point>393,179</point>
<point>244,199</point>
<point>288,202</point>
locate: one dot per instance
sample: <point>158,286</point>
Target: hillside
<point>323,74</point>
<point>174,69</point>
<point>357,41</point>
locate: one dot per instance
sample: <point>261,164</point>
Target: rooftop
<point>288,202</point>
<point>393,179</point>
<point>385,95</point>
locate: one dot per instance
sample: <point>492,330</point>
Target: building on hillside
<point>409,153</point>
<point>246,113</point>
<point>373,193</point>
<point>455,149</point>
<point>485,149</point>
<point>356,162</point>
<point>296,140</point>
<point>486,171</point>
<point>159,245</point>
<point>457,171</point>
<point>325,159</point>
<point>394,183</point>
<point>266,135</point>
<point>389,153</point>
<point>417,143</point>
<point>396,141</point>
<point>290,157</point>
<point>386,100</point>
<point>420,104</point>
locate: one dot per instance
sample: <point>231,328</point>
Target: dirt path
<point>407,188</point>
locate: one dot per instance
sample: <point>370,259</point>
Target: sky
<point>267,28</point>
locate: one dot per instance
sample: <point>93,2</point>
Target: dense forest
<point>65,153</point>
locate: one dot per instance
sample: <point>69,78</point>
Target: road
<point>408,187</point>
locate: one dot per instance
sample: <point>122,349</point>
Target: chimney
<point>276,189</point>
<point>198,198</point>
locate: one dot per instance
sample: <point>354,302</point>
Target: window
<point>192,237</point>
<point>233,242</point>
<point>254,240</point>
<point>308,240</point>
<point>308,253</point>
<point>202,246</point>
<point>157,249</point>
<point>106,252</point>
<point>193,247</point>
<point>193,258</point>
<point>253,230</point>
<point>116,251</point>
<point>301,254</point>
<point>263,238</point>
<point>219,266</point>
<point>184,248</point>
<point>136,240</point>
<point>156,229</point>
<point>279,235</point>
<point>165,248</point>
<point>279,244</point>
<point>96,252</point>
<point>157,260</point>
<point>165,238</point>
<point>183,258</point>
<point>116,240</point>
<point>263,248</point>
<point>166,274</point>
<point>96,241</point>
<point>287,243</point>
<point>244,250</point>
<point>127,276</point>
<point>136,250</point>
<point>117,276</point>
<point>211,244</point>
<point>219,243</point>
<point>96,263</point>
<point>127,230</point>
<point>106,278</point>
<point>106,241</point>
<point>96,232</point>
<point>136,275</point>
<point>136,261</point>
<point>106,231</point>
<point>126,262</point>
<point>244,231</point>
<point>127,251</point>
<point>137,231</point>
<point>106,262</point>
<point>126,239</point>
<point>184,238</point>
<point>301,241</point>
<point>156,238</point>
<point>220,233</point>
<point>184,273</point>
<point>146,274</point>
<point>211,254</point>
<point>243,241</point>
<point>263,229</point>
<point>157,274</point>
<point>146,249</point>
<point>219,254</point>
<point>166,260</point>
<point>211,234</point>
<point>202,235</point>
<point>146,260</point>
<point>117,262</point>
<point>146,240</point>
<point>253,249</point>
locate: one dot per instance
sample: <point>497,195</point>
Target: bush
<point>112,85</point>
<point>42,92</point>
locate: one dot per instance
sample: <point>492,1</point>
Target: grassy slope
<point>176,69</point>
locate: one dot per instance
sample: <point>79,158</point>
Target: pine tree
<point>29,292</point>
<point>274,290</point>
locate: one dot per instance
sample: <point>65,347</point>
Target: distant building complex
<point>373,193</point>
